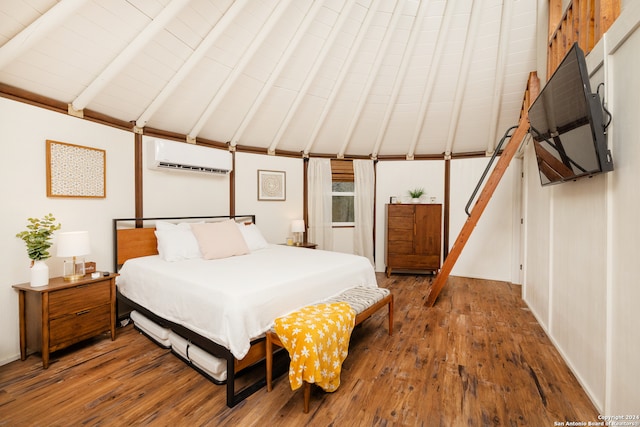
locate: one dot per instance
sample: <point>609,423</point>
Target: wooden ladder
<point>533,87</point>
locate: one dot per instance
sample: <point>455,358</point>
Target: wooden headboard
<point>135,237</point>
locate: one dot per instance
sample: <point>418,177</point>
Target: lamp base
<point>73,269</point>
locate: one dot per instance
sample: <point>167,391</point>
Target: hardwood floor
<point>477,358</point>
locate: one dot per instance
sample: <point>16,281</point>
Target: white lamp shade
<point>297,226</point>
<point>73,243</point>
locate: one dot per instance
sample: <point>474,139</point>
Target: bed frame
<point>134,237</point>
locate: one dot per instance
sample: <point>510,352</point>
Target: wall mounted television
<point>566,123</point>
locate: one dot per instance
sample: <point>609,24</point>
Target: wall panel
<point>23,132</point>
<point>623,396</point>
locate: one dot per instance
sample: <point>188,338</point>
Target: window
<point>342,203</point>
<point>342,188</point>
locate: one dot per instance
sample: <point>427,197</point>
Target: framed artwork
<point>272,185</point>
<point>75,171</point>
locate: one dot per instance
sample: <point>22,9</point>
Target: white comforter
<point>234,300</point>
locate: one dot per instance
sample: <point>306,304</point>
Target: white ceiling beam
<point>126,56</point>
<point>431,78</point>
<point>344,69</point>
<point>498,83</point>
<point>293,108</point>
<point>237,71</point>
<point>463,77</point>
<point>373,73</point>
<point>294,42</point>
<point>38,29</point>
<point>407,54</point>
<point>197,55</point>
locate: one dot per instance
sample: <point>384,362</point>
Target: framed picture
<point>75,171</point>
<point>272,185</point>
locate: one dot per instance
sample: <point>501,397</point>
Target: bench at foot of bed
<point>364,301</point>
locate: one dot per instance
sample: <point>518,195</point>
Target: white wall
<point>396,178</point>
<point>23,132</point>
<point>623,291</point>
<point>537,237</point>
<point>581,240</point>
<point>273,218</point>
<point>492,250</point>
<point>495,231</point>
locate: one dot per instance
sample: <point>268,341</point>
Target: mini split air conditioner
<point>178,156</point>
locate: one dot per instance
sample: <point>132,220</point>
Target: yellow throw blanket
<point>317,339</point>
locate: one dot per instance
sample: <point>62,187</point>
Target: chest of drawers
<point>63,313</point>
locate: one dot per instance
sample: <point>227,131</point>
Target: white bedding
<point>234,300</point>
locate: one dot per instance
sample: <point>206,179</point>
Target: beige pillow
<point>219,239</point>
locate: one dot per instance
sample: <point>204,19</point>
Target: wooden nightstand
<point>62,313</point>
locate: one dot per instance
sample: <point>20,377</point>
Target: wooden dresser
<point>413,237</point>
<point>62,313</point>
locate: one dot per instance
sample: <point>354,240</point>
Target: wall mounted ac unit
<point>180,156</point>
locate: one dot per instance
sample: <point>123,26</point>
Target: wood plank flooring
<point>477,358</point>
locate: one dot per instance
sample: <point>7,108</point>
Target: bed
<point>224,304</point>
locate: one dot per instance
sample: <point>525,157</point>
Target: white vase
<point>415,200</point>
<point>39,274</point>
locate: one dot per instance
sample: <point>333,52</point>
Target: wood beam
<point>319,61</point>
<point>407,54</point>
<point>463,76</point>
<point>195,58</point>
<point>239,68</point>
<point>342,75</point>
<point>434,68</point>
<point>277,72</point>
<point>128,54</point>
<point>138,184</point>
<point>37,30</point>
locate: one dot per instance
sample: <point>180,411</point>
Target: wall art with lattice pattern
<point>272,185</point>
<point>75,171</point>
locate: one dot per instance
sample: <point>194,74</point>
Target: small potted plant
<point>37,237</point>
<point>415,194</point>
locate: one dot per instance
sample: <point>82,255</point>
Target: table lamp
<point>297,227</point>
<point>74,245</point>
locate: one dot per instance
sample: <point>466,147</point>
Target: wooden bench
<point>364,301</point>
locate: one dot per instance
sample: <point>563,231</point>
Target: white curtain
<point>364,185</point>
<point>320,213</point>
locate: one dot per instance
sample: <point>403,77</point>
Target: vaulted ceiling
<point>337,77</point>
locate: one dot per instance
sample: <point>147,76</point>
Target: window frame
<point>337,224</point>
<point>342,171</point>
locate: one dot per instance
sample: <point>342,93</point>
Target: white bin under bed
<point>209,365</point>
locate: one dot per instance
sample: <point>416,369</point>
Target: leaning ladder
<point>533,88</point>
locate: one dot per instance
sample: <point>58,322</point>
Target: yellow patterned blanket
<point>317,339</point>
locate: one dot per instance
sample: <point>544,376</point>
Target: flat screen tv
<point>567,125</point>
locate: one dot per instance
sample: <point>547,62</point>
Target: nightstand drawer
<point>79,298</point>
<point>78,326</point>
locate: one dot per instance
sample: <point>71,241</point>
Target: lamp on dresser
<point>74,245</point>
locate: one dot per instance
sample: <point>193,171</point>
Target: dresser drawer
<point>71,328</point>
<point>79,298</point>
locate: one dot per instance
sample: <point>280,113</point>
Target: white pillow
<point>219,239</point>
<point>176,242</point>
<point>253,237</point>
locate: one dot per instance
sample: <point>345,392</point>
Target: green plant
<point>38,235</point>
<point>416,193</point>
